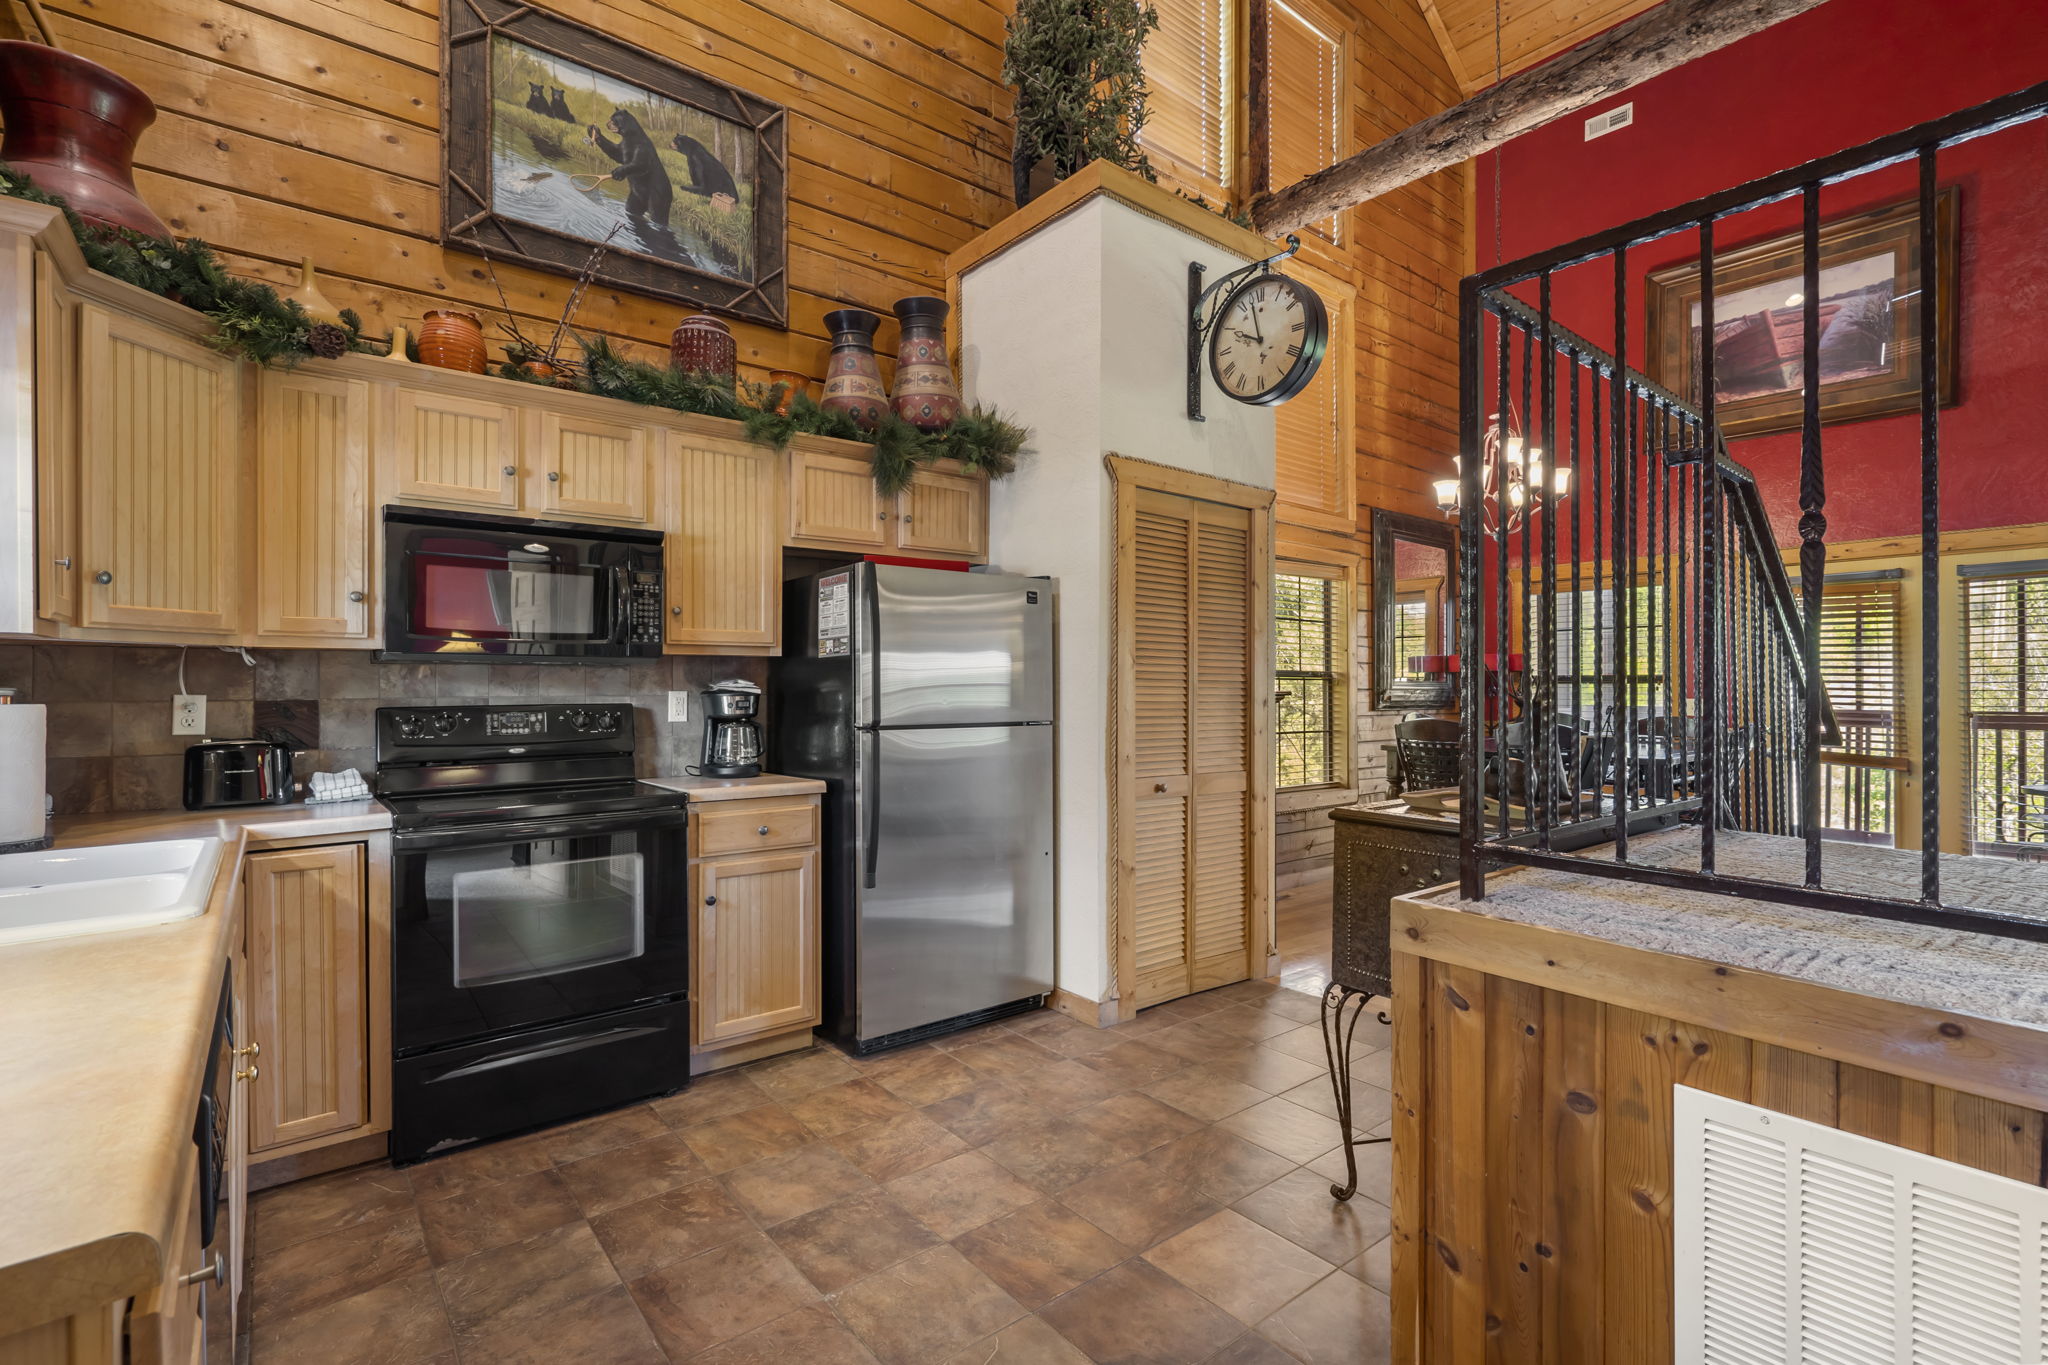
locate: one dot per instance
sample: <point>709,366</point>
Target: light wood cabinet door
<point>308,974</point>
<point>587,468</point>
<point>724,551</point>
<point>756,945</point>
<point>455,450</point>
<point>313,489</point>
<point>57,572</point>
<point>944,513</point>
<point>159,478</point>
<point>832,498</point>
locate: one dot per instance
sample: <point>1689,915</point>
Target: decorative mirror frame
<point>1391,692</point>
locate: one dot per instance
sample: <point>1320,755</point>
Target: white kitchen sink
<point>60,892</point>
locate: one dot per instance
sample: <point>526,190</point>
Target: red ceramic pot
<point>71,127</point>
<point>701,344</point>
<point>451,339</point>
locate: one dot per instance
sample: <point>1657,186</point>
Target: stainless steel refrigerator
<point>923,698</point>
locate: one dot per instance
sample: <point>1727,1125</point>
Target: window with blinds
<point>1594,674</point>
<point>1861,660</point>
<point>1312,432</point>
<point>1189,72</point>
<point>1303,85</point>
<point>2005,707</point>
<point>1307,682</point>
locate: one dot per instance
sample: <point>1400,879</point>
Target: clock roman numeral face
<point>1259,339</point>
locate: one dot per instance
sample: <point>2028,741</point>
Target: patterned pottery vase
<point>452,340</point>
<point>701,344</point>
<point>794,386</point>
<point>71,127</point>
<point>853,382</point>
<point>926,396</point>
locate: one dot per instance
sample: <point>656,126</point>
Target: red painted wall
<point>1836,76</point>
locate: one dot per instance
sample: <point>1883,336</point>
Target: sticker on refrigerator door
<point>835,615</point>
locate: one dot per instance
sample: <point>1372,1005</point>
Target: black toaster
<point>237,772</point>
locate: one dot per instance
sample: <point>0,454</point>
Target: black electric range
<point>540,926</point>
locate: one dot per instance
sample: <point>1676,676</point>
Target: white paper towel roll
<point>21,773</point>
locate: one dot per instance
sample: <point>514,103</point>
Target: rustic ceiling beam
<point>1648,45</point>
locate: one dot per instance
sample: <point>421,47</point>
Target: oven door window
<point>482,595</point>
<point>542,915</point>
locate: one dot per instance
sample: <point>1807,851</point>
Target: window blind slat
<point>1188,61</point>
<point>2005,705</point>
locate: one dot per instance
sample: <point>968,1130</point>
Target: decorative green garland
<point>253,322</point>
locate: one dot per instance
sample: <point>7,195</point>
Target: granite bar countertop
<point>1947,969</point>
<point>107,1040</point>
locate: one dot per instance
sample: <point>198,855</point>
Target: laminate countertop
<point>739,788</point>
<point>107,1037</point>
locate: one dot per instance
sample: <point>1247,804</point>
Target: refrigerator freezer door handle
<point>871,841</point>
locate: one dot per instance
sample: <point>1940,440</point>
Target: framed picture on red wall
<point>1870,301</point>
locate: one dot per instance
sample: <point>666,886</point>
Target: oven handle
<point>520,831</point>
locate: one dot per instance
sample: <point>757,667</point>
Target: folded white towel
<point>347,785</point>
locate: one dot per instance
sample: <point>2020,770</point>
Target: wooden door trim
<point>1127,476</point>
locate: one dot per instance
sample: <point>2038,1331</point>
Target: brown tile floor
<point>1032,1192</point>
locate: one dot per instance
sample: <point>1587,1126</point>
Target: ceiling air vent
<point>1801,1245</point>
<point>1620,116</point>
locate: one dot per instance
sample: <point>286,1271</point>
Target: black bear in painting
<point>649,193</point>
<point>559,107</point>
<point>537,101</point>
<point>708,175</point>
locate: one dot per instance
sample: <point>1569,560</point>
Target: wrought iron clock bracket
<point>1199,304</point>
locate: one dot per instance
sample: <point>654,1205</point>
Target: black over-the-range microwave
<point>461,585</point>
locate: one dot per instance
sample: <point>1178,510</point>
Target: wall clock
<point>1265,333</point>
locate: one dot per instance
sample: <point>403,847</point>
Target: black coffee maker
<point>732,739</point>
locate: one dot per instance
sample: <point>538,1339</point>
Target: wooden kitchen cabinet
<point>754,929</point>
<point>313,534</point>
<point>833,506</point>
<point>590,469</point>
<point>723,557</point>
<point>453,450</point>
<point>309,995</point>
<point>159,479</point>
<point>943,513</point>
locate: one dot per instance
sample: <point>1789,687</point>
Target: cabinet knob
<point>762,830</point>
<point>65,562</point>
<point>881,516</point>
<point>509,470</point>
<point>355,597</point>
<point>103,577</point>
<point>252,1050</point>
<point>554,476</point>
<point>217,1272</point>
<point>906,518</point>
<point>248,1073</point>
<point>675,611</point>
<point>1159,787</point>
<point>711,900</point>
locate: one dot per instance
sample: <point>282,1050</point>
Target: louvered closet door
<point>1189,798</point>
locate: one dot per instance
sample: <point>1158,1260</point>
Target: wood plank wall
<point>311,127</point>
<point>1404,253</point>
<point>1534,1131</point>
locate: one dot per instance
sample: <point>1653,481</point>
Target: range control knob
<point>444,723</point>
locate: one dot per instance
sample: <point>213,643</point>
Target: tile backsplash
<point>111,747</point>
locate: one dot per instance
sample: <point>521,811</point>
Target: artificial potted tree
<point>1080,82</point>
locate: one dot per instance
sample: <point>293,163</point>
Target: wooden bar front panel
<point>1533,1172</point>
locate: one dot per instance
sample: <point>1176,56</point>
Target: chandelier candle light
<point>1522,487</point>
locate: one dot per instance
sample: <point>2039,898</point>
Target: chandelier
<point>1512,477</point>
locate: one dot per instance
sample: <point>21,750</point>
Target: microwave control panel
<point>643,606</point>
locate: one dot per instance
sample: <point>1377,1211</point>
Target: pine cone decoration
<point>327,341</point>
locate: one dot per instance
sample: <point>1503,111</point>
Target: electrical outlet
<point>679,707</point>
<point>188,714</point>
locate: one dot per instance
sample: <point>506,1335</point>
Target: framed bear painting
<point>561,139</point>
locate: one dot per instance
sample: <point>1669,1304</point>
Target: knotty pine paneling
<point>292,127</point>
<point>1533,1131</point>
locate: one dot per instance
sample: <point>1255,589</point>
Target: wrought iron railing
<point>1657,665</point>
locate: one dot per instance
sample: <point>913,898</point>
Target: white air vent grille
<point>1801,1245</point>
<point>1605,122</point>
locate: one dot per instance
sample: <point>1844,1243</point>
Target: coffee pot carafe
<point>732,739</point>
